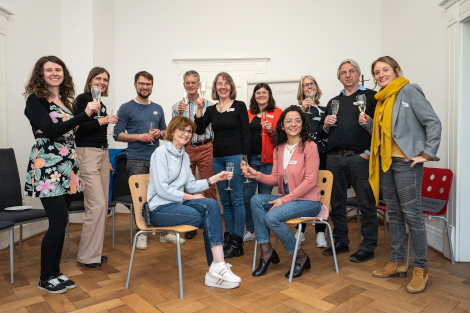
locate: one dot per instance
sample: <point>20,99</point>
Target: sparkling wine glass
<point>151,129</point>
<point>244,166</point>
<point>229,166</point>
<point>203,88</point>
<point>96,94</point>
<point>112,112</point>
<point>361,103</point>
<point>263,119</point>
<point>334,108</point>
<point>311,95</point>
<point>185,96</point>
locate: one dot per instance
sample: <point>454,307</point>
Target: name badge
<point>155,112</point>
<point>316,118</point>
<point>405,104</point>
<point>172,158</point>
<point>230,110</point>
<point>293,162</point>
<point>271,116</point>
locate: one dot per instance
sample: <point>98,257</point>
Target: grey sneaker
<point>52,285</point>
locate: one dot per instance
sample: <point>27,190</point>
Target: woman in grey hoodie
<point>172,200</point>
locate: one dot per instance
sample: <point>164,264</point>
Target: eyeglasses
<point>309,85</point>
<point>185,131</point>
<point>144,84</point>
<point>351,72</point>
<point>191,83</point>
<point>259,93</point>
<point>223,84</point>
<point>297,121</point>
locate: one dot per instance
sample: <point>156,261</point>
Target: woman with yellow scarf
<point>406,132</point>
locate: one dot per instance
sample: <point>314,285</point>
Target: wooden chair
<point>325,182</point>
<point>138,187</point>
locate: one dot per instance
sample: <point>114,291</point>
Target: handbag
<point>145,206</point>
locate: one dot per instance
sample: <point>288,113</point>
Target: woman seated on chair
<point>170,205</point>
<point>295,170</point>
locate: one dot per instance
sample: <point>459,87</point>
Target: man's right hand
<point>329,120</point>
<point>146,137</point>
<point>182,107</point>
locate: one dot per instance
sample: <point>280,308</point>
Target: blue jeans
<point>201,213</point>
<point>250,188</point>
<point>266,220</point>
<point>401,191</point>
<point>232,200</point>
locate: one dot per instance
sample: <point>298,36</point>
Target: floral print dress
<point>53,166</point>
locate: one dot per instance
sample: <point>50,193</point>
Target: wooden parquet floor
<point>154,282</point>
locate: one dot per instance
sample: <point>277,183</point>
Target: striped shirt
<point>191,113</point>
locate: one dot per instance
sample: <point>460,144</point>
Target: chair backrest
<point>122,187</point>
<point>10,185</point>
<point>437,183</point>
<point>325,182</point>
<point>138,188</point>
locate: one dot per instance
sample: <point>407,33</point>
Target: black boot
<point>235,249</point>
<point>227,240</point>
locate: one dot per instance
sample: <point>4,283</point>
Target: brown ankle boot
<point>391,269</point>
<point>419,280</point>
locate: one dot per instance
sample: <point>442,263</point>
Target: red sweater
<point>302,173</point>
<point>268,147</point>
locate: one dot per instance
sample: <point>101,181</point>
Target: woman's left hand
<point>275,203</point>
<point>416,160</point>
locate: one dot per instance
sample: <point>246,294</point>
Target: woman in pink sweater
<point>295,170</point>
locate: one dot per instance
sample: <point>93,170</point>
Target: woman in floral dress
<point>53,173</point>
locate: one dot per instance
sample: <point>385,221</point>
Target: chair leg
<point>132,260</point>
<point>114,220</point>
<point>332,245</point>
<point>21,240</point>
<point>68,233</point>
<point>132,221</point>
<point>408,249</point>
<point>254,255</point>
<point>448,238</point>
<point>12,264</point>
<point>294,257</point>
<point>180,272</point>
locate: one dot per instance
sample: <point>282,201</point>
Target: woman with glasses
<point>173,202</point>
<point>309,87</point>
<point>295,170</point>
<point>263,116</point>
<point>229,120</point>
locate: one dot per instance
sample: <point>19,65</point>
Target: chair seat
<point>179,229</point>
<point>6,224</point>
<point>77,205</point>
<point>303,220</point>
<point>381,207</point>
<point>124,199</point>
<point>22,216</point>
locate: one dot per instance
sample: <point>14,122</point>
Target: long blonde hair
<point>300,91</point>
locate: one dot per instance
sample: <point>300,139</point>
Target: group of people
<point>379,150</point>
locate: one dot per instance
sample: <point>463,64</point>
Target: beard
<point>144,96</point>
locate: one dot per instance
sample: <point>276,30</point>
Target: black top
<point>256,141</point>
<point>349,134</point>
<point>90,133</point>
<point>231,129</point>
<point>317,114</point>
<point>38,114</point>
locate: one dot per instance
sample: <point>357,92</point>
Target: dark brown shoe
<point>90,266</point>
<point>104,259</point>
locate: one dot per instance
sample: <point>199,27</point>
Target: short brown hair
<point>228,78</point>
<point>93,73</point>
<point>300,91</point>
<point>390,61</point>
<point>178,121</point>
<point>144,74</point>
<point>191,73</point>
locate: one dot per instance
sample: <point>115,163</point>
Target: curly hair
<point>37,85</point>
<point>254,108</point>
<point>280,135</point>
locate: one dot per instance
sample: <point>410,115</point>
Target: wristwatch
<point>208,181</point>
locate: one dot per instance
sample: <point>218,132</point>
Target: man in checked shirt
<point>200,149</point>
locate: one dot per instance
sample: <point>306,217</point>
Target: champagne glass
<point>244,166</point>
<point>185,96</point>
<point>311,95</point>
<point>151,129</point>
<point>113,112</point>
<point>96,94</point>
<point>229,166</point>
<point>334,108</point>
<point>263,119</point>
<point>361,103</point>
<point>203,88</point>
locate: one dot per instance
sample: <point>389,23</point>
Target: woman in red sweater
<point>295,170</point>
<point>261,149</point>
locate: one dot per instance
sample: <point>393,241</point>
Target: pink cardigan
<point>302,173</point>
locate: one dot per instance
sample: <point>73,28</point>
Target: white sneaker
<point>170,238</point>
<point>321,240</point>
<point>248,236</point>
<point>222,270</point>
<point>141,243</point>
<point>213,281</point>
<point>302,236</point>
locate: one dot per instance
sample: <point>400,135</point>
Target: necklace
<point>291,150</point>
<point>222,105</point>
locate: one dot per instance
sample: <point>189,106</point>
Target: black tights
<point>51,248</point>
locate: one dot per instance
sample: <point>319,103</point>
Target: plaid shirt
<point>191,113</point>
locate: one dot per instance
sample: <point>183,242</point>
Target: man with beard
<point>200,149</point>
<point>134,117</point>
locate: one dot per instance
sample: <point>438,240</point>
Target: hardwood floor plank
<point>352,305</point>
<point>300,296</point>
<point>441,305</point>
<point>59,303</point>
<point>100,306</point>
<point>136,303</point>
<point>343,295</point>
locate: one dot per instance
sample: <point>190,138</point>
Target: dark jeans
<point>57,209</point>
<point>249,189</point>
<point>401,190</point>
<point>352,169</point>
<point>200,213</point>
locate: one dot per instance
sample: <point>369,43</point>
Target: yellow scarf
<point>383,122</point>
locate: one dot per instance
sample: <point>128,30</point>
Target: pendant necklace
<point>291,150</point>
<point>222,106</point>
